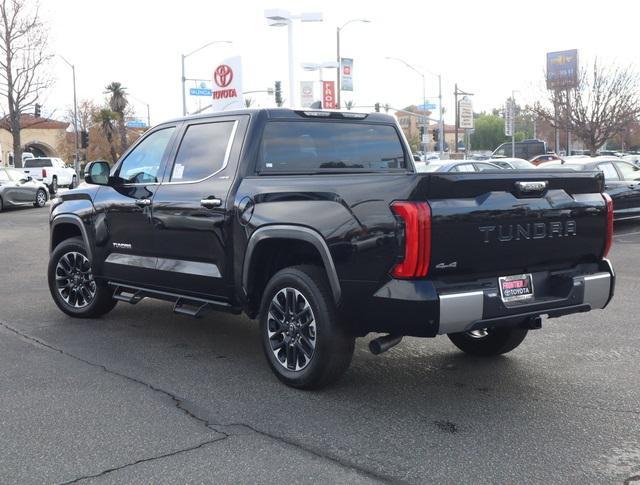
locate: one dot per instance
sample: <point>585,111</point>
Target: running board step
<point>128,295</point>
<point>182,305</point>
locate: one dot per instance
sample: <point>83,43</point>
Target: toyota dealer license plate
<point>516,287</point>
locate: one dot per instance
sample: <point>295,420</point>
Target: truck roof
<point>296,113</point>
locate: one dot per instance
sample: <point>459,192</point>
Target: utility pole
<point>76,164</point>
<point>513,128</point>
<point>339,71</point>
<point>440,119</point>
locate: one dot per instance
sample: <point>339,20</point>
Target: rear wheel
<point>71,282</point>
<point>1,207</point>
<point>41,198</point>
<point>489,341</point>
<point>301,337</point>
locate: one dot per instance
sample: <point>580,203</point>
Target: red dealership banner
<point>329,94</point>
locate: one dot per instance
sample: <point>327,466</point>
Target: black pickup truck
<point>317,224</point>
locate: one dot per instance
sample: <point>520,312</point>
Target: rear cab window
<point>37,162</point>
<point>315,146</point>
<point>609,171</point>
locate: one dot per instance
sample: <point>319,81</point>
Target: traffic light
<point>278,93</point>
<point>377,107</point>
<point>36,110</point>
<point>84,138</point>
<point>436,134</point>
<point>421,131</point>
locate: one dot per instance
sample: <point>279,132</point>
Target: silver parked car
<point>16,188</point>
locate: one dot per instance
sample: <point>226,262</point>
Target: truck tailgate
<point>511,222</point>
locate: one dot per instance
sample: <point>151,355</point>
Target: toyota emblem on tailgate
<point>528,187</point>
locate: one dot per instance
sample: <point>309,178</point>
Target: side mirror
<point>416,158</point>
<point>97,173</point>
<point>29,178</point>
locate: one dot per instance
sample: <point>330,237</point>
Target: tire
<point>41,198</point>
<point>1,206</point>
<point>53,188</point>
<point>74,182</point>
<point>70,259</point>
<point>329,347</point>
<point>490,341</point>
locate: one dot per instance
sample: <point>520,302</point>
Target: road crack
<point>145,460</point>
<point>217,427</point>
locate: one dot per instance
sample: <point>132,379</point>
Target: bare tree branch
<point>24,56</point>
<point>602,106</point>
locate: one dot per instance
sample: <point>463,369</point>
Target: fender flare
<point>76,221</point>
<point>301,233</point>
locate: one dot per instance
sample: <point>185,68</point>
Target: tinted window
<point>609,171</point>
<point>465,167</point>
<point>629,172</point>
<point>308,145</point>
<point>202,151</point>
<point>143,163</point>
<point>37,162</point>
<point>3,176</point>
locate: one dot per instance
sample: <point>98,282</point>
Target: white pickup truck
<point>51,171</point>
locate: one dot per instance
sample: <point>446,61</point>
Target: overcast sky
<point>488,47</point>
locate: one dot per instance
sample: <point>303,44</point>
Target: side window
<point>609,171</point>
<point>628,171</point>
<point>143,163</point>
<point>481,167</point>
<point>202,151</point>
<point>465,167</point>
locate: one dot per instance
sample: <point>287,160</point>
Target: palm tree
<point>118,104</point>
<point>105,118</point>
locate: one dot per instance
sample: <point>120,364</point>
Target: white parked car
<point>51,171</point>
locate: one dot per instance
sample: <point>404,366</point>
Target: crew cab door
<point>123,226</point>
<point>191,209</point>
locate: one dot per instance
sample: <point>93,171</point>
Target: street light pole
<point>280,18</point>
<point>339,60</point>
<point>183,79</point>
<point>76,164</point>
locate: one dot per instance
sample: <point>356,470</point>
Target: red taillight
<point>609,237</point>
<point>44,173</point>
<point>417,239</point>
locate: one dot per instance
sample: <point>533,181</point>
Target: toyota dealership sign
<point>227,85</point>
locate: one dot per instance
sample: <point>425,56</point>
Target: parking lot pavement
<point>143,395</point>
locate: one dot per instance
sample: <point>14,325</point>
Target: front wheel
<point>301,337</point>
<point>488,342</point>
<point>71,282</point>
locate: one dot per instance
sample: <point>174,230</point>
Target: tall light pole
<point>338,59</point>
<point>183,57</point>
<point>314,66</point>
<point>148,109</point>
<point>281,18</point>
<point>76,164</point>
<point>424,94</point>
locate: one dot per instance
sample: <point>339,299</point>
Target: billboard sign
<point>562,69</point>
<point>508,118</point>
<point>226,87</point>
<point>329,94</point>
<point>346,73</point>
<point>465,113</point>
<point>306,93</point>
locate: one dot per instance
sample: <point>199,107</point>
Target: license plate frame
<point>516,288</point>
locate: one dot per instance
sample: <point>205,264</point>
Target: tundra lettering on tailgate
<point>536,230</point>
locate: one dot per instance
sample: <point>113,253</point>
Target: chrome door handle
<point>143,202</point>
<point>211,203</point>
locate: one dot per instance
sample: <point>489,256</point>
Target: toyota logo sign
<point>223,75</point>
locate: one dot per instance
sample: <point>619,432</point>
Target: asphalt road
<point>146,396</point>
